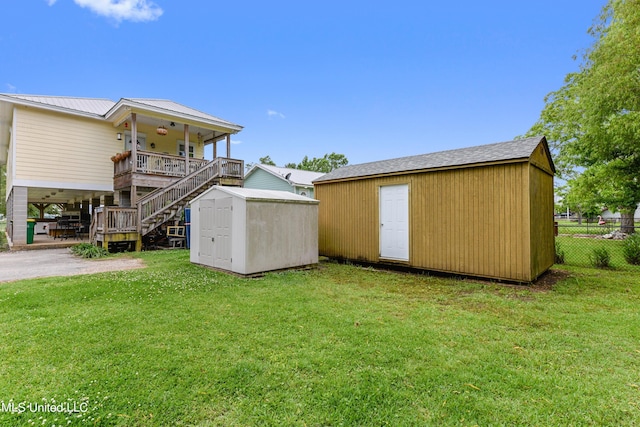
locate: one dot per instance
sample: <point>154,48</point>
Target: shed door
<point>394,222</point>
<point>222,233</point>
<point>205,232</point>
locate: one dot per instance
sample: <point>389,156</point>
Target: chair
<point>176,235</point>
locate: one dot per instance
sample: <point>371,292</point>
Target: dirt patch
<point>547,281</point>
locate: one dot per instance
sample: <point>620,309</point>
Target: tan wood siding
<point>471,221</point>
<point>60,148</point>
<point>542,245</point>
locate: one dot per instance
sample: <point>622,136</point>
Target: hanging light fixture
<point>161,130</point>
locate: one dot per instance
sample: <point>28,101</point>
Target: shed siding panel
<point>542,244</point>
<point>57,147</point>
<point>467,220</point>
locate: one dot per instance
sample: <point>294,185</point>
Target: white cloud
<point>122,10</point>
<point>272,113</point>
<point>11,88</point>
<point>235,141</point>
<point>51,2</point>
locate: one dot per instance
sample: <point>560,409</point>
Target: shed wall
<point>472,221</point>
<point>543,243</point>
<point>280,235</point>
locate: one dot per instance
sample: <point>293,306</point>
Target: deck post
<point>134,155</point>
<point>186,150</point>
<point>228,146</point>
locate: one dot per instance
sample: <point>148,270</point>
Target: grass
<point>176,344</point>
<point>578,251</point>
<point>3,239</point>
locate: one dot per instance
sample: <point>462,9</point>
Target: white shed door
<point>222,233</point>
<point>394,222</point>
<point>205,232</point>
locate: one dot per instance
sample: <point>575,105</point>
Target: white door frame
<point>394,222</point>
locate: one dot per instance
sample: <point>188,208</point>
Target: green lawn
<point>176,344</point>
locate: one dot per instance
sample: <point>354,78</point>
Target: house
<point>483,211</point>
<point>269,177</point>
<point>249,231</point>
<point>78,153</point>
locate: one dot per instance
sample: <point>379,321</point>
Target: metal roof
<point>91,106</point>
<point>294,176</point>
<point>105,108</point>
<point>172,107</point>
<point>502,151</point>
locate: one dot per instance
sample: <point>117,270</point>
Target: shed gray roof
<point>502,151</point>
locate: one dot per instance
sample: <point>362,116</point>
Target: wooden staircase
<point>127,225</point>
<point>165,204</point>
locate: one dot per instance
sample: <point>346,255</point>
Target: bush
<point>87,250</point>
<point>600,258</point>
<point>559,254</point>
<point>631,249</point>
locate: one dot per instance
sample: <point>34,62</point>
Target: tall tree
<point>325,164</point>
<point>593,121</point>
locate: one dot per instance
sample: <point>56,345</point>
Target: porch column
<point>215,149</point>
<point>134,141</point>
<point>18,218</point>
<point>186,149</point>
<point>134,154</point>
<point>228,145</point>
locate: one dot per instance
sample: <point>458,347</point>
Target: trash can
<point>31,225</point>
<point>187,223</point>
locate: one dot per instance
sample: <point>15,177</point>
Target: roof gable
<point>517,150</point>
<point>293,176</point>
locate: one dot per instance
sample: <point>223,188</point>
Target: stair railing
<point>163,200</point>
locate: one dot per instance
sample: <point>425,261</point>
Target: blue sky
<point>369,79</point>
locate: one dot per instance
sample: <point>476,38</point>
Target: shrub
<point>559,254</point>
<point>631,249</point>
<point>600,258</point>
<point>87,250</point>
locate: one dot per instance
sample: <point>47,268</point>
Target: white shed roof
<point>260,195</point>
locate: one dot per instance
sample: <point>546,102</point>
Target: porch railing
<point>113,219</point>
<point>148,162</point>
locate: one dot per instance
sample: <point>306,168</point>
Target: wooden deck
<point>151,169</point>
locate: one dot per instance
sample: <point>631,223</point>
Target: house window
<point>192,149</point>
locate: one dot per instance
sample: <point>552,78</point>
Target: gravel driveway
<point>19,265</point>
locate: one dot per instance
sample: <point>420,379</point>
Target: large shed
<point>249,231</point>
<point>483,211</point>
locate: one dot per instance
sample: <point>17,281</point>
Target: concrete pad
<point>18,265</point>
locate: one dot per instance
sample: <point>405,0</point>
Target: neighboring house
<point>266,177</point>
<point>77,152</point>
<point>615,216</point>
<point>483,211</point>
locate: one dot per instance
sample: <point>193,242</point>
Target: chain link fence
<point>592,245</point>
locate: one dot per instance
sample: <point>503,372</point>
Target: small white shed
<point>248,231</point>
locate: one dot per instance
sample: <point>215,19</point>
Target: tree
<point>266,160</point>
<point>323,164</point>
<point>593,121</point>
